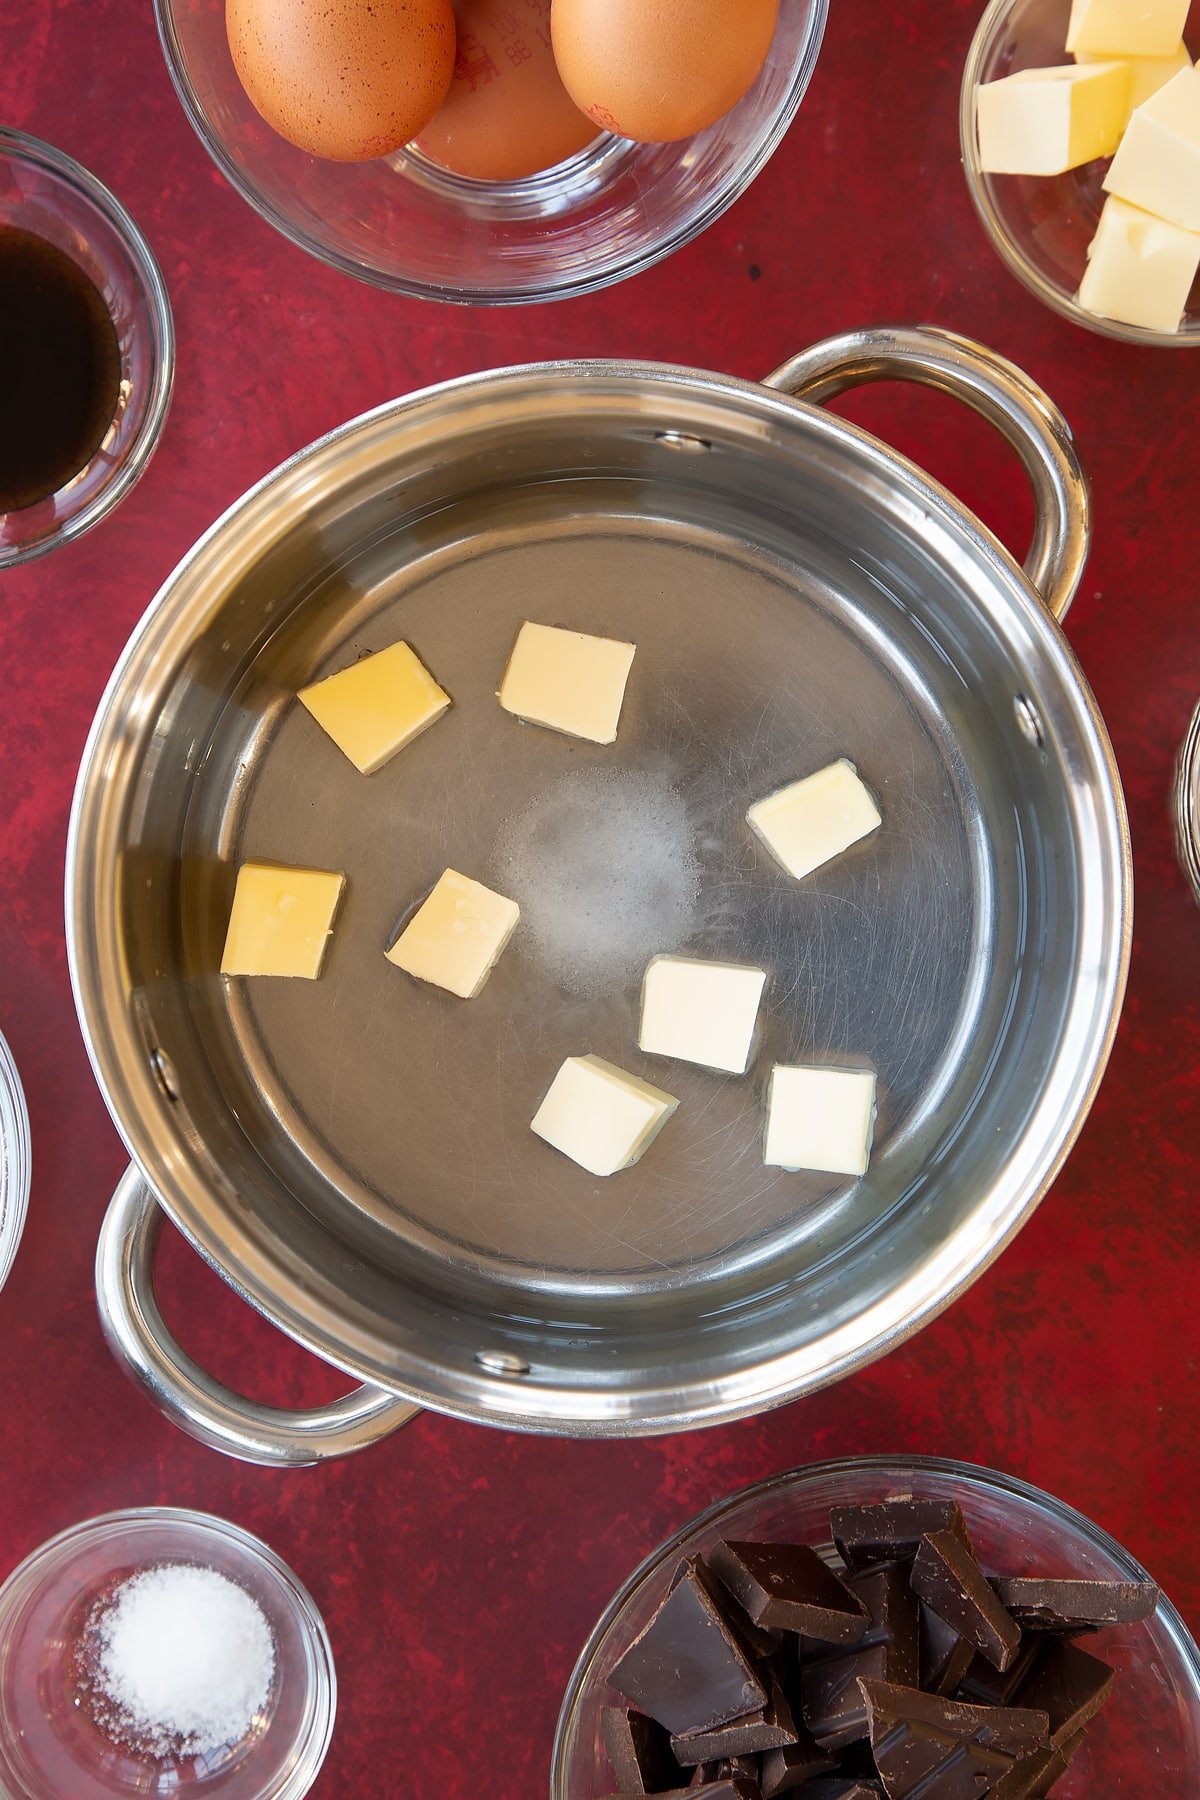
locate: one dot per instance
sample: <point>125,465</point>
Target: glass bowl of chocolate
<point>881,1630</point>
<point>87,349</point>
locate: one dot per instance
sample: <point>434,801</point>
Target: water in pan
<point>604,868</point>
<point>409,1111</point>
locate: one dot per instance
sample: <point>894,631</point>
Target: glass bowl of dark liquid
<point>87,349</point>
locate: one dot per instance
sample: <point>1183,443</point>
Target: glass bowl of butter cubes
<point>1080,124</point>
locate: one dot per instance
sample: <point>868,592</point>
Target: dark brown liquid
<point>60,368</point>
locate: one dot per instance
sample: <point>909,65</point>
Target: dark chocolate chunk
<point>1034,1776</point>
<point>672,1794</point>
<point>942,1749</point>
<point>834,1709</point>
<point>1049,1768</point>
<point>757,1640</point>
<point>639,1750</point>
<point>769,1728</point>
<point>839,1790</point>
<point>784,1770</point>
<point>785,1666</point>
<point>891,1531</point>
<point>1068,1685</point>
<point>830,1696</point>
<point>1026,1778</point>
<point>732,1787</point>
<point>687,1669</point>
<point>1062,1758</point>
<point>1016,1731</point>
<point>949,1580</point>
<point>893,1610</point>
<point>945,1656</point>
<point>789,1587</point>
<point>745,1766</point>
<point>1042,1604</point>
<point>986,1685</point>
<point>856,1760</point>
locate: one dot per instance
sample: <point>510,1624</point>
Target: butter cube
<point>820,1119</point>
<point>281,920</point>
<point>456,936</point>
<point>1140,268</point>
<point>1126,27</point>
<point>376,706</point>
<point>1158,164</point>
<point>567,681</point>
<point>601,1117</point>
<point>813,820</point>
<point>1146,73</point>
<point>1044,121</point>
<point>700,1012</point>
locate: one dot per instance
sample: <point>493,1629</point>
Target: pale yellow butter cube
<point>1126,27</point>
<point>820,1119</point>
<point>456,936</point>
<point>701,1012</point>
<point>1157,166</point>
<point>815,819</point>
<point>568,681</point>
<point>1044,121</point>
<point>600,1116</point>
<point>281,920</point>
<point>1146,73</point>
<point>1140,269</point>
<point>376,706</point>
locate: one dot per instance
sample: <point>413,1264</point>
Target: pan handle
<point>1002,394</point>
<point>139,1338</point>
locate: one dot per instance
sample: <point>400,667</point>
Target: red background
<point>460,1569</point>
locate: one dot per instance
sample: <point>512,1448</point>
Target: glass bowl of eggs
<point>484,152</point>
<point>1091,240</point>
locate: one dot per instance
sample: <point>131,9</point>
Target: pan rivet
<point>164,1073</point>
<point>679,440</point>
<point>1029,723</point>
<point>501,1362</point>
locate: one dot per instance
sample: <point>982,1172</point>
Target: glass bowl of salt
<point>159,1651</point>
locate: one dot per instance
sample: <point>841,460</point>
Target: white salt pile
<point>184,1660</point>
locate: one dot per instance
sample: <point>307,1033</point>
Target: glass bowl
<point>1041,225</point>
<point>405,224</point>
<point>49,194</point>
<point>14,1160</point>
<point>1185,800</point>
<point>49,1746</point>
<point>1147,1738</point>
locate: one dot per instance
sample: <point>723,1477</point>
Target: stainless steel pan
<point>354,1154</point>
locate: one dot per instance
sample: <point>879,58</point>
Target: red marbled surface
<point>459,1569</point>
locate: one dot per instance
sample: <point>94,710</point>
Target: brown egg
<point>344,79</point>
<point>660,71</point>
<point>507,113</point>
